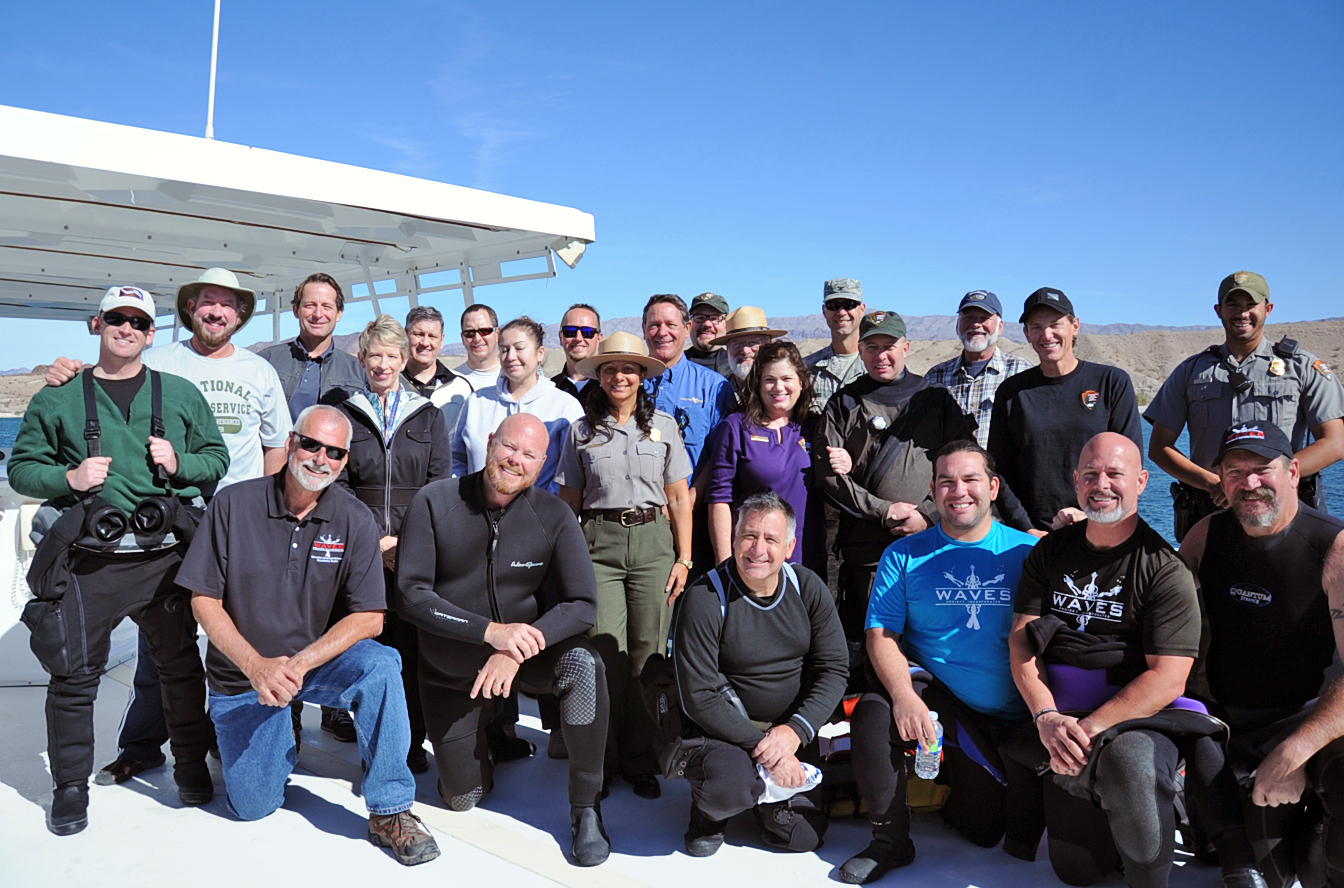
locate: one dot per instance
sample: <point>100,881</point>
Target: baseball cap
<point>877,323</point>
<point>127,297</point>
<point>1262,438</point>
<point>981,299</point>
<point>713,300</point>
<point>1047,296</point>
<point>1248,282</point>
<point>842,288</point>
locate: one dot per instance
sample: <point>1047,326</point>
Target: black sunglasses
<point>312,445</point>
<point>569,331</point>
<point>479,331</point>
<point>137,322</point>
<point>841,304</point>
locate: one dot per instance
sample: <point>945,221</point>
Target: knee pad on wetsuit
<point>576,683</point>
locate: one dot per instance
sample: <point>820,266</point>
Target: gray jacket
<point>340,370</point>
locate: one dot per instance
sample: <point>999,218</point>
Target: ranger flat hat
<point>621,347</point>
<point>747,321</point>
<point>217,277</point>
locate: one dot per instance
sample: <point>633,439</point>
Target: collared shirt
<point>442,376</point>
<point>278,576</point>
<point>975,394</point>
<point>581,390</point>
<point>696,397</point>
<point>333,369</point>
<point>309,388</point>
<point>830,373</point>
<point>1296,393</point>
<point>621,467</point>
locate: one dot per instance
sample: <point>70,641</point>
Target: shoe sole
<point>67,829</point>
<point>424,856</point>
<point>195,799</point>
<point>695,849</point>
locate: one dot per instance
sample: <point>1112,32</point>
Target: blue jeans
<point>256,742</point>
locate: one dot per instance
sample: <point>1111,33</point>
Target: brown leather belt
<point>627,517</point>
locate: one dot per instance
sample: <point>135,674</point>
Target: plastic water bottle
<point>927,761</point>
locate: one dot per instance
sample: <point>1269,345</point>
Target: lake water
<point>1154,504</point>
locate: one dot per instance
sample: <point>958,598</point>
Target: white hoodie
<point>488,407</point>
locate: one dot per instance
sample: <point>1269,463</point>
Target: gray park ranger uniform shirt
<point>1295,393</point>
<point>625,469</point>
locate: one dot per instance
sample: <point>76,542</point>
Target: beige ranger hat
<point>621,347</point>
<point>747,321</point>
<point>217,277</point>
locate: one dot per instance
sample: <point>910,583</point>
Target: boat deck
<point>140,835</point>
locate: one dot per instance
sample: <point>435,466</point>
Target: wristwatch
<point>690,565</point>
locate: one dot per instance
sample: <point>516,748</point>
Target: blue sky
<point>1130,154</point>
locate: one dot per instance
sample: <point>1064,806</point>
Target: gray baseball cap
<point>842,288</point>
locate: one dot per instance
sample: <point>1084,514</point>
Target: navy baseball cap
<point>1049,297</point>
<point>981,299</point>
<point>1261,438</point>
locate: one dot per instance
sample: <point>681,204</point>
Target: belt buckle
<point>635,516</point>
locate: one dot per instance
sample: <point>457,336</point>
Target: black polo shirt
<point>280,577</point>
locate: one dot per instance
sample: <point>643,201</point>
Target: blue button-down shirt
<point>696,397</point>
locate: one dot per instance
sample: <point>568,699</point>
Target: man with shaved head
<point>476,554</point>
<point>1106,626</point>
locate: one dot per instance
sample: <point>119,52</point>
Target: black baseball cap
<point>1261,438</point>
<point>1047,296</point>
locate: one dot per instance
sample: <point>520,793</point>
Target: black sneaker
<point>125,767</point>
<point>417,760</point>
<point>339,724</point>
<point>195,786</point>
<point>69,809</point>
<point>704,837</point>
<point>591,845</point>
<point>879,858</point>
<point>646,786</point>
<point>410,842</point>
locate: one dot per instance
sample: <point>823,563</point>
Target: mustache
<point>313,465</point>
<point>1252,496</point>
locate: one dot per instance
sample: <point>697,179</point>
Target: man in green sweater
<point>119,466</point>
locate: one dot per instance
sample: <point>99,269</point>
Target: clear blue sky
<point>1130,154</point>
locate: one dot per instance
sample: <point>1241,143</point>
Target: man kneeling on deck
<point>477,555</point>
<point>761,664</point>
<point>266,568</point>
<point>943,602</point>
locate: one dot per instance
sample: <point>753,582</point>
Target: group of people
<point>643,541</point>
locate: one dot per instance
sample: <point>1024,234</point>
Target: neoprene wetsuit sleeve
<point>826,667</point>
<point>699,681</point>
<point>572,569</point>
<point>417,570</point>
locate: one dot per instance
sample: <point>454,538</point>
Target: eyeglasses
<point>137,322</point>
<point>841,304</point>
<point>479,331</point>
<point>703,318</point>
<point>570,331</point>
<point>312,445</point>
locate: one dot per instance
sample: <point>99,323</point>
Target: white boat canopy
<point>85,205</point>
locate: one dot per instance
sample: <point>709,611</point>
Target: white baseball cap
<point>128,297</point>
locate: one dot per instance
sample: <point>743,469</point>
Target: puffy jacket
<point>386,474</point>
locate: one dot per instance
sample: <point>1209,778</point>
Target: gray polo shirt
<point>280,577</point>
<point>1296,393</point>
<point>624,468</point>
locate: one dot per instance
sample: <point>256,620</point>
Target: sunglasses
<point>569,331</point>
<point>312,445</point>
<point>479,331</point>
<point>137,322</point>
<point>840,304</point>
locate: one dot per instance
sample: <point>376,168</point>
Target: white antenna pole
<point>214,63</point>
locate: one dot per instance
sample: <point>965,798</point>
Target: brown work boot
<point>404,834</point>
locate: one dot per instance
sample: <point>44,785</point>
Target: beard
<point>975,343</point>
<point>1112,515</point>
<point>213,340</point>
<point>1260,518</point>
<point>307,482</point>
<point>504,483</point>
<point>740,368</point>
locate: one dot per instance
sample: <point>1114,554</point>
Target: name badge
<point>761,438</point>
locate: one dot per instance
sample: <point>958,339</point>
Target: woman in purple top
<point>764,446</point>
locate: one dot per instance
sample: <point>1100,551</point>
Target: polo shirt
<point>285,575</point>
<point>696,397</point>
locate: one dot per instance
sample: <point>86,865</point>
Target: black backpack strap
<point>156,427</point>
<point>93,431</point>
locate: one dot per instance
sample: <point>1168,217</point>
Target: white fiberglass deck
<point>140,836</point>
